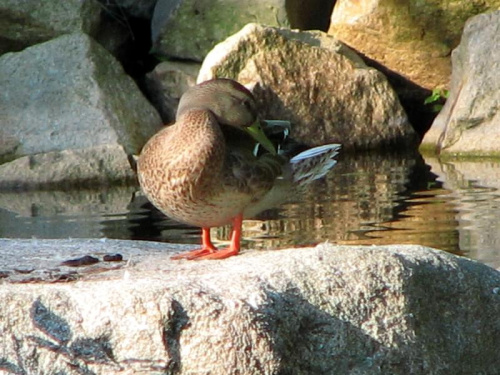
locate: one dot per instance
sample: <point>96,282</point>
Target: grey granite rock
<point>69,95</point>
<point>469,123</point>
<point>316,82</point>
<point>324,310</point>
<point>166,84</point>
<point>93,166</point>
<point>25,23</point>
<point>188,29</point>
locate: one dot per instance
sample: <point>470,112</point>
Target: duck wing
<point>253,175</point>
<point>313,163</point>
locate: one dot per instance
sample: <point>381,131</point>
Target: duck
<point>215,164</point>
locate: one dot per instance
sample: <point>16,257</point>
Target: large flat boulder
<point>66,96</point>
<point>323,310</point>
<point>317,83</point>
<point>469,123</point>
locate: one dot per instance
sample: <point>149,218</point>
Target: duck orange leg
<point>234,246</point>
<point>209,251</point>
<point>207,247</point>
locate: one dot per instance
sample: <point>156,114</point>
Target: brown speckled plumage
<point>202,170</point>
<point>192,173</point>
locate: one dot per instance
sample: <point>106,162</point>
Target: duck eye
<point>248,105</point>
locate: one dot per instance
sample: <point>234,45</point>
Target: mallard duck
<point>215,162</point>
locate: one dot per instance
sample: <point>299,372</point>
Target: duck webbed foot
<point>195,254</point>
<point>209,251</point>
<point>218,254</point>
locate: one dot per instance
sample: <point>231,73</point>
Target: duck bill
<point>255,130</point>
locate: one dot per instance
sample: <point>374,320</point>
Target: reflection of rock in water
<point>150,224</point>
<point>61,214</point>
<point>367,199</point>
<point>474,185</point>
<point>358,201</point>
<point>425,220</point>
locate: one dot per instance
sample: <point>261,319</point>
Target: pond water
<point>367,199</point>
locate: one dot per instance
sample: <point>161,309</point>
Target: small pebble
<point>112,258</point>
<point>24,271</point>
<point>86,260</point>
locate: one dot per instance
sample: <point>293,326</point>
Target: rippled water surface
<point>367,199</point>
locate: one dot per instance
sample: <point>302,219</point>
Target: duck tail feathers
<point>314,163</point>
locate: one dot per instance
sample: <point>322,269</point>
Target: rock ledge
<point>323,310</point>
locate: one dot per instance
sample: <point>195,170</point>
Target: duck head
<point>230,102</point>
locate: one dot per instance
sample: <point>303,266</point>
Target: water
<point>367,199</point>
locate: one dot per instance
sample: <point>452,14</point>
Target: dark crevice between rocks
<point>310,15</point>
<point>137,59</point>
<point>134,54</point>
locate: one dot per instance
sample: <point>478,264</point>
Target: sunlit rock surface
<point>93,166</point>
<point>317,83</point>
<point>412,38</point>
<point>329,309</point>
<point>470,121</point>
<point>70,94</point>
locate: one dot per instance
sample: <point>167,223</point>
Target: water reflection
<point>474,186</point>
<point>367,199</point>
<point>62,214</point>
